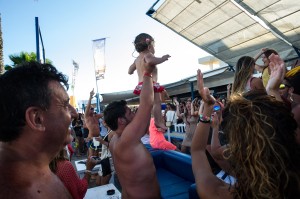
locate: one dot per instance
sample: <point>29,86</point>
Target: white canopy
<point>229,29</point>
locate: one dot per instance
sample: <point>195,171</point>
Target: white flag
<point>99,58</point>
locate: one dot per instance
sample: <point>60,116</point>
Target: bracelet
<point>148,74</point>
<point>88,171</point>
<point>205,119</point>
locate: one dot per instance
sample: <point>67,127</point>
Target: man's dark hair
<point>173,107</point>
<point>20,88</point>
<point>114,111</point>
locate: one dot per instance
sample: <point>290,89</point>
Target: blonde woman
<point>243,79</point>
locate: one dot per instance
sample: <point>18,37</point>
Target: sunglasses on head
<point>283,86</point>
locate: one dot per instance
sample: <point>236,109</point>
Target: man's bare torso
<point>135,169</point>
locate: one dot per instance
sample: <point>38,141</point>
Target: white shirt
<point>171,117</point>
<point>103,131</point>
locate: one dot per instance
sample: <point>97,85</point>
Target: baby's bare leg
<point>158,119</point>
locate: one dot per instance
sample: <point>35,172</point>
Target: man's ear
<point>121,121</point>
<point>35,118</point>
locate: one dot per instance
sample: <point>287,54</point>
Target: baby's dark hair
<point>142,41</point>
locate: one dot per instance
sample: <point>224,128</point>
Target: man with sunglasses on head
<point>284,89</point>
<point>133,163</point>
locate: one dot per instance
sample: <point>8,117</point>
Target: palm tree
<point>22,57</point>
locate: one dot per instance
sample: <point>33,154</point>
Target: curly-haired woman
<point>262,149</point>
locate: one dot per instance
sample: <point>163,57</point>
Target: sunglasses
<point>282,86</point>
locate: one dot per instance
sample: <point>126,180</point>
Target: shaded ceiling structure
<point>229,29</point>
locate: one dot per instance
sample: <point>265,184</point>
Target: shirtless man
<point>133,163</point>
<point>144,45</point>
<point>34,121</point>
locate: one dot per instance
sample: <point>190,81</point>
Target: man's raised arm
<point>139,125</point>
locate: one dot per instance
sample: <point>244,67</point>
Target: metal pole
<point>192,89</point>
<point>83,108</point>
<point>97,98</point>
<point>43,49</point>
<point>169,137</point>
<point>297,51</point>
<point>37,39</point>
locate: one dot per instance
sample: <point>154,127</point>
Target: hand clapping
<point>277,68</point>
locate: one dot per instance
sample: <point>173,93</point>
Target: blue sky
<point>69,26</point>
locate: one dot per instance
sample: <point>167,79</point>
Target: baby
<point>144,45</point>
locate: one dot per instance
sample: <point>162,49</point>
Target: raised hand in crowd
<point>278,70</point>
<point>176,101</point>
<point>204,91</point>
<point>205,179</point>
<point>92,119</point>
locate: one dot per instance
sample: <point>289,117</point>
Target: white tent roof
<point>226,30</point>
<point>229,29</point>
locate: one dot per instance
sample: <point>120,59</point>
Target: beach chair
<point>180,128</point>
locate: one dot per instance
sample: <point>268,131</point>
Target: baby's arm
<point>258,67</point>
<point>152,60</point>
<point>132,68</point>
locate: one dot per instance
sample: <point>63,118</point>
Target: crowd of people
<point>253,138</point>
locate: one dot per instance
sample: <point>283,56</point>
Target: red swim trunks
<point>157,88</point>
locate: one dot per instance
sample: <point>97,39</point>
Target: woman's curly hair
<point>262,150</point>
<point>142,42</point>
